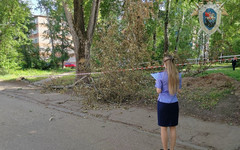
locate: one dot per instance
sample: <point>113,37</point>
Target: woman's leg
<point>173,136</point>
<point>164,137</point>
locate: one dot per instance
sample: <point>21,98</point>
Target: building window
<point>35,40</point>
<point>36,21</point>
<point>35,31</point>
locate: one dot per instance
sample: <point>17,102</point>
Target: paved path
<point>26,126</point>
<point>31,120</point>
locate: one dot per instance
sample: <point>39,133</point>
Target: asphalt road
<point>29,126</point>
<point>32,120</point>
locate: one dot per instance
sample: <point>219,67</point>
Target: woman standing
<point>168,84</point>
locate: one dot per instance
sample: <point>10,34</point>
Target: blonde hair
<point>173,76</point>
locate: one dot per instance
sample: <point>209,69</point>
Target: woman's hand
<point>159,90</point>
<point>179,91</point>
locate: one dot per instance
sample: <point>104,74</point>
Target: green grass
<point>211,98</point>
<point>227,71</point>
<point>30,73</point>
<point>214,65</point>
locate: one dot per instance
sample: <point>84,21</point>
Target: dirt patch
<point>212,98</point>
<point>12,84</point>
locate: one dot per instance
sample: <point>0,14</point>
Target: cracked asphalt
<point>31,120</point>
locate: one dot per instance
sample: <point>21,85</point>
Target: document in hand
<point>155,75</point>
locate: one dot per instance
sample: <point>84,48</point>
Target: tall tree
<point>82,33</point>
<point>13,18</point>
<point>27,48</point>
<point>48,7</point>
<point>58,31</point>
<point>166,21</point>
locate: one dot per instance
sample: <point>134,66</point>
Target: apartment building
<point>39,37</point>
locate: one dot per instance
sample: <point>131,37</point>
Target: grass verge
<point>226,71</point>
<point>32,74</point>
<point>205,99</point>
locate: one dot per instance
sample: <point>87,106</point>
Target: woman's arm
<point>159,90</point>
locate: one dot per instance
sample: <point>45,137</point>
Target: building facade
<point>40,37</point>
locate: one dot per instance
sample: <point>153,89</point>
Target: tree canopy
<point>168,22</point>
<point>14,17</point>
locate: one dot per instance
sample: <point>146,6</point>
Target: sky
<point>33,5</point>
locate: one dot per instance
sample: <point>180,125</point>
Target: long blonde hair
<point>173,76</point>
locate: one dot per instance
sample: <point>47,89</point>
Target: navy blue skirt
<point>168,114</point>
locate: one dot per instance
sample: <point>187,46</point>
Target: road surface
<point>32,120</point>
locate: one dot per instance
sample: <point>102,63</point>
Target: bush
<point>3,71</point>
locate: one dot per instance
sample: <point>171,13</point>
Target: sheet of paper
<point>155,75</point>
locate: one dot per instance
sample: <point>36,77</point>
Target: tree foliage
<point>58,32</point>
<point>228,43</point>
<point>13,19</point>
<point>121,45</point>
<point>185,41</point>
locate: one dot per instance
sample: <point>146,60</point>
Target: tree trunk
<point>83,57</point>
<point>50,28</point>
<point>204,48</point>
<point>154,40</point>
<point>166,38</point>
<point>62,48</point>
<point>73,33</point>
<point>82,38</point>
<point>178,35</point>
